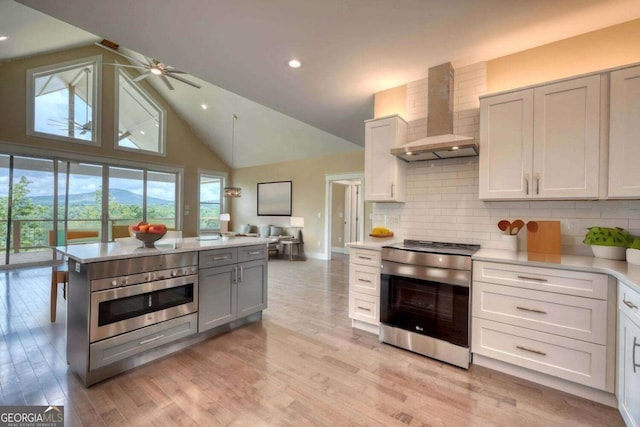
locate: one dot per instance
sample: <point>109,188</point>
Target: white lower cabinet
<point>629,355</point>
<point>364,289</point>
<point>556,322</point>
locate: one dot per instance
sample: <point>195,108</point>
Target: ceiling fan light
<point>232,192</point>
<point>156,71</point>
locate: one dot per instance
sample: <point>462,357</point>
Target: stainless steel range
<point>425,299</point>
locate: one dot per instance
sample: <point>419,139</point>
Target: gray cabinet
<point>232,285</point>
<point>629,354</point>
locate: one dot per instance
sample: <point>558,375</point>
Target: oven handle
<point>447,276</point>
<point>143,288</point>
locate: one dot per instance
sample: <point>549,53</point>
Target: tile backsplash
<point>442,196</point>
<point>442,204</point>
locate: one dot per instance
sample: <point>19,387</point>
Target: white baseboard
<point>337,249</point>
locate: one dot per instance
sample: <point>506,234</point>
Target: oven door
<point>428,301</point>
<point>125,309</point>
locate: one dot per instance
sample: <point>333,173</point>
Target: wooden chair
<point>60,272</point>
<point>120,231</point>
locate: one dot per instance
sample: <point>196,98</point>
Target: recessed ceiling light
<point>454,148</point>
<point>204,106</point>
<point>294,63</point>
<point>3,38</point>
<point>142,132</point>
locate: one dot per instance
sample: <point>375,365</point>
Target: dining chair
<point>59,269</point>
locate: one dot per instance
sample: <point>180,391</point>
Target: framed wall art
<point>274,198</point>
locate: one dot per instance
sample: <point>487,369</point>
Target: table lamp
<point>224,223</point>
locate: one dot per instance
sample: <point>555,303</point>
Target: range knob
<point>114,283</point>
<point>174,273</point>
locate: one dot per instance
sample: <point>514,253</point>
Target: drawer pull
<point>143,342</point>
<point>535,279</point>
<point>364,280</point>
<point>255,253</point>
<point>533,310</point>
<point>220,258</point>
<point>629,304</point>
<point>364,308</point>
<point>365,257</point>
<point>531,350</point>
<point>633,355</point>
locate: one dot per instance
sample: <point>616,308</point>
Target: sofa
<point>276,233</point>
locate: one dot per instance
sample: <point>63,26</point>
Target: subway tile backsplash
<point>442,196</point>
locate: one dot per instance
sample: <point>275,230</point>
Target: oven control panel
<point>134,279</point>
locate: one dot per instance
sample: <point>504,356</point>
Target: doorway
<point>345,212</point>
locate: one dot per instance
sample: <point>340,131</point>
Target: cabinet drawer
<point>218,257</point>
<point>573,360</point>
<point>565,315</point>
<point>364,257</point>
<point>252,253</point>
<point>576,283</point>
<point>629,302</point>
<point>365,279</point>
<point>364,307</point>
<point>114,349</point>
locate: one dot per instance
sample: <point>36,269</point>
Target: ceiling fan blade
<point>166,81</point>
<point>174,71</point>
<point>124,135</point>
<point>183,80</point>
<point>142,76</point>
<point>130,58</point>
<point>137,67</point>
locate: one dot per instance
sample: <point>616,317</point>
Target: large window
<point>141,119</point>
<point>210,201</point>
<point>63,101</point>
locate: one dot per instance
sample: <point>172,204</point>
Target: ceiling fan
<point>152,67</point>
<point>66,124</point>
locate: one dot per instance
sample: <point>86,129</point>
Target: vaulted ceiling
<point>349,50</point>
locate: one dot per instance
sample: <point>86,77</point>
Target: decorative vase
<point>609,252</point>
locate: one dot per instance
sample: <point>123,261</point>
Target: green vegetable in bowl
<point>635,243</point>
<point>605,236</point>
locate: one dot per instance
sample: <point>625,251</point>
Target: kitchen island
<point>128,305</point>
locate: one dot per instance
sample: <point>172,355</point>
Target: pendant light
<point>233,191</point>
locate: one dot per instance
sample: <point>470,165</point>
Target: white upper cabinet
<point>541,142</point>
<point>384,173</point>
<point>624,133</point>
<point>506,145</point>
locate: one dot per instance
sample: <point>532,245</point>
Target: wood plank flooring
<point>303,365</point>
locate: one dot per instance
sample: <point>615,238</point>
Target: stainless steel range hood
<point>440,143</point>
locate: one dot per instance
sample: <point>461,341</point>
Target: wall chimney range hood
<point>440,142</point>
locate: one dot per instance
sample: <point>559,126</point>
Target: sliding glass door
<point>53,202</point>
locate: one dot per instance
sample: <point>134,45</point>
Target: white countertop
<point>376,244</point>
<point>129,248</point>
<point>621,270</point>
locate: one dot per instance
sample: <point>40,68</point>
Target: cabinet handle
<point>629,304</point>
<point>535,279</point>
<point>526,183</point>
<point>633,355</point>
<point>255,253</point>
<point>533,310</point>
<point>220,258</point>
<point>364,280</point>
<point>392,188</point>
<point>531,350</point>
<point>235,274</point>
<point>241,274</point>
<point>143,342</point>
<point>537,183</point>
<point>365,257</point>
<point>364,308</point>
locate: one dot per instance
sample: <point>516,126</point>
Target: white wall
<point>442,196</point>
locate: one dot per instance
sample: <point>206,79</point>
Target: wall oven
<point>425,299</point>
<point>125,303</point>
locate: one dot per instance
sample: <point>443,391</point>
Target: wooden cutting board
<point>546,239</point>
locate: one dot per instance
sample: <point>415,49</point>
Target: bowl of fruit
<point>148,234</point>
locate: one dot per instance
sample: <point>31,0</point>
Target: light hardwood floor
<point>302,365</point>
